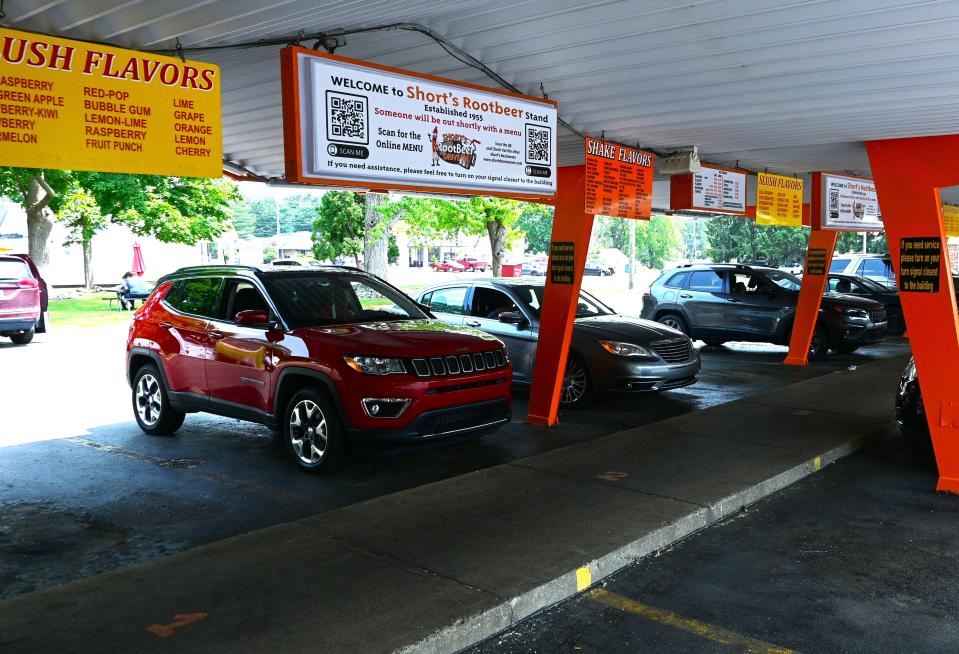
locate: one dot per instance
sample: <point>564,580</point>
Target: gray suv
<point>728,302</point>
<point>609,352</point>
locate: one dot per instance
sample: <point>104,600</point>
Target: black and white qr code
<point>539,147</point>
<point>347,117</point>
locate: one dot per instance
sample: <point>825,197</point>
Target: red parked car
<point>471,264</point>
<point>447,265</point>
<point>23,298</point>
<point>329,357</point>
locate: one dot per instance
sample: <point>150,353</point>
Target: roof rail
<point>217,266</point>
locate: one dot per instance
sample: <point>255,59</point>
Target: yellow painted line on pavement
<point>584,578</point>
<point>701,629</point>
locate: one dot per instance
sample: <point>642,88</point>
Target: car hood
<point>400,338</point>
<point>840,299</point>
<point>635,330</point>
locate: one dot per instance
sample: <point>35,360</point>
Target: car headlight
<point>375,365</point>
<point>624,349</point>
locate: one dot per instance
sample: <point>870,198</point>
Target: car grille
<point>877,315</point>
<point>676,351</point>
<point>464,418</point>
<point>459,364</point>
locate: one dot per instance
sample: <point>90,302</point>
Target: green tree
<point>243,219</point>
<point>732,237</point>
<point>269,253</point>
<point>536,224</point>
<point>852,242</point>
<point>40,193</point>
<point>612,233</point>
<point>657,240</point>
<point>264,222</point>
<point>82,216</point>
<point>338,226</point>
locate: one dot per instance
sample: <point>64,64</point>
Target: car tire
<point>309,421</point>
<point>912,425</point>
<point>675,321</point>
<point>151,403</point>
<point>23,337</point>
<point>819,345</point>
<point>577,389</point>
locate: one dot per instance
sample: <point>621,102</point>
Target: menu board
<point>950,219</point>
<point>850,203</point>
<point>779,200</point>
<point>355,123</point>
<point>920,260</point>
<point>83,106</point>
<point>619,180</point>
<point>720,189</point>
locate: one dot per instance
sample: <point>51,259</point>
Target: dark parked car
<point>727,302</point>
<point>872,290</point>
<point>910,413</point>
<point>609,353</point>
<point>877,267</point>
<point>23,298</point>
<point>594,267</point>
<point>329,357</point>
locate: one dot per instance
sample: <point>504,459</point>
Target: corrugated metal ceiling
<point>795,85</point>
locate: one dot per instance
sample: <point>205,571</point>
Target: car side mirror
<point>511,317</point>
<point>253,318</point>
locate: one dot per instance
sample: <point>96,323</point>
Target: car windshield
<point>14,269</point>
<point>587,307</point>
<point>313,299</point>
<point>870,285</point>
<point>783,280</point>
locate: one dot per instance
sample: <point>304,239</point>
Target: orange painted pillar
<point>908,174</point>
<point>810,296</point>
<point>570,225</point>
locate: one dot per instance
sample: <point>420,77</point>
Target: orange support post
<point>810,297</point>
<point>908,174</point>
<point>570,225</point>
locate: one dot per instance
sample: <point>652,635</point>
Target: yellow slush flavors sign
<point>76,105</point>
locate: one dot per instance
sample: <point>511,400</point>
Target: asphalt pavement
<point>859,558</point>
<point>83,491</point>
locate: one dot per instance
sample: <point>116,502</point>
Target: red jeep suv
<point>329,357</point>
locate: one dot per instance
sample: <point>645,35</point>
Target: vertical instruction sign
<point>920,261</point>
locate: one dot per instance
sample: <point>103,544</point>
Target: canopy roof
<point>792,85</point>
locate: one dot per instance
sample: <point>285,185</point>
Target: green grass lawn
<point>88,311</point>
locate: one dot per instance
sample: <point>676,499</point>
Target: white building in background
<point>112,251</point>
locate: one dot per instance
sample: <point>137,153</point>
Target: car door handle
<point>732,299</point>
<point>473,323</point>
<point>215,335</point>
<point>166,325</point>
<point>685,295</point>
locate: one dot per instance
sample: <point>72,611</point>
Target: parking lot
<point>85,491</point>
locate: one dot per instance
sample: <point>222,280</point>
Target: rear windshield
<point>313,299</point>
<point>14,269</point>
<point>838,265</point>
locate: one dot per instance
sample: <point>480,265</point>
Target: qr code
<point>538,144</point>
<point>347,117</point>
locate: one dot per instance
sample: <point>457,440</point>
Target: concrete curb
<point>473,629</point>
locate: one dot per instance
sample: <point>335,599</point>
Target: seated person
<point>843,286</point>
<point>505,306</point>
<point>131,289</point>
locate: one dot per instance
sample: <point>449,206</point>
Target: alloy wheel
<point>673,322</point>
<point>574,383</point>
<point>149,400</point>
<point>309,435</point>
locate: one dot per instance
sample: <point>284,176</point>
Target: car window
<point>783,280</point>
<point>678,280</point>
<point>747,284</point>
<point>709,281</point>
<point>14,269</point>
<point>199,296</point>
<point>838,265</point>
<point>532,297</point>
<point>842,285</point>
<point>871,286</point>
<point>311,298</point>
<point>489,303</point>
<point>877,268</point>
<point>242,296</point>
<point>448,300</point>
